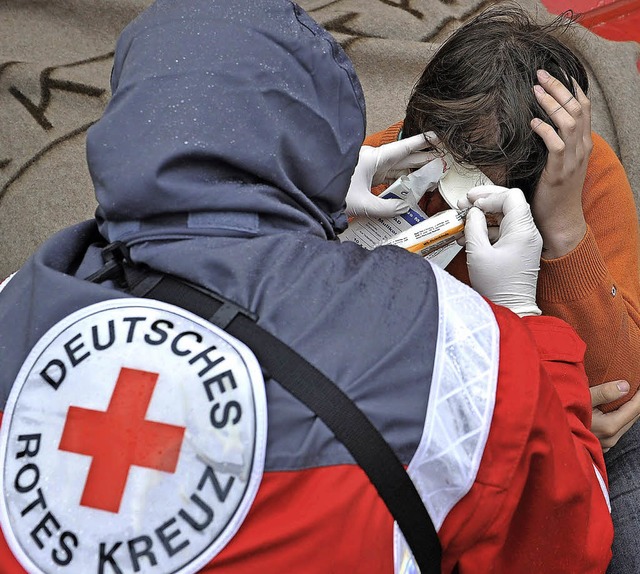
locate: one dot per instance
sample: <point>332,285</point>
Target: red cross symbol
<point>120,438</point>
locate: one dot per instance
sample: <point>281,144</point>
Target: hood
<point>227,118</point>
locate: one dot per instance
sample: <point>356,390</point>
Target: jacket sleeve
<point>539,501</point>
<point>385,136</point>
<point>596,287</point>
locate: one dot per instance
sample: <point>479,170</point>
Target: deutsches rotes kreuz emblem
<point>133,441</point>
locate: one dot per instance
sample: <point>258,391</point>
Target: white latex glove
<point>383,164</point>
<point>507,271</point>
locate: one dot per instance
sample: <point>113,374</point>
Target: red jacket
<point>539,458</point>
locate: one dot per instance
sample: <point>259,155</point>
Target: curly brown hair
<point>476,93</point>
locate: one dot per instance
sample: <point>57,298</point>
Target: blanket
<point>55,62</point>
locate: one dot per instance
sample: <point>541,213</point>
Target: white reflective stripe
<point>603,487</point>
<point>461,404</point>
<point>4,283</point>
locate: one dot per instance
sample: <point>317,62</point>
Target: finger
<point>400,149</point>
<point>552,85</point>
<point>493,221</point>
<point>553,142</point>
<point>626,414</point>
<point>479,191</point>
<point>389,177</point>
<point>608,392</point>
<point>500,201</point>
<point>569,130</point>
<point>417,160</point>
<point>432,138</point>
<point>586,108</point>
<point>556,111</point>
<point>585,103</point>
<point>380,207</point>
<point>558,101</point>
<point>475,229</point>
<point>607,430</point>
<point>624,429</point>
<point>611,426</point>
<point>389,155</point>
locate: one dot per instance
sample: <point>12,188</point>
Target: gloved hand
<point>507,271</point>
<point>383,164</point>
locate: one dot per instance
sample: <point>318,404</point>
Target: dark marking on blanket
<point>47,84</point>
<point>25,166</point>
<point>405,5</point>
<point>340,25</point>
<point>449,24</point>
<point>46,131</point>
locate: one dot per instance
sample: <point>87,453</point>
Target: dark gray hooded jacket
<point>224,157</point>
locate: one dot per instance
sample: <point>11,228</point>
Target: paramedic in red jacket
<point>138,437</point>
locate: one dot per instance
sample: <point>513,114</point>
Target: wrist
<point>559,242</point>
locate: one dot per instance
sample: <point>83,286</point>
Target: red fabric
<point>612,19</point>
<point>322,520</point>
<point>292,526</point>
<point>536,505</point>
<point>617,20</point>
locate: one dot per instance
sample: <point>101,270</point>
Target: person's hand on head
<point>557,201</point>
<point>384,164</point>
<point>506,272</point>
<point>609,427</point>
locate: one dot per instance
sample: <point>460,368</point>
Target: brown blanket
<point>55,60</point>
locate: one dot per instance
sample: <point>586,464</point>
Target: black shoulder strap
<point>341,415</point>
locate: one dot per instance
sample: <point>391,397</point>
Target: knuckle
<point>552,82</point>
<point>545,128</point>
<point>608,442</point>
<point>606,433</point>
<point>553,180</point>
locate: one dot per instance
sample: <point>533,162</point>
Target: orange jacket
<point>596,287</point>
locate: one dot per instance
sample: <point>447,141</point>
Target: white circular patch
<point>133,441</point>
